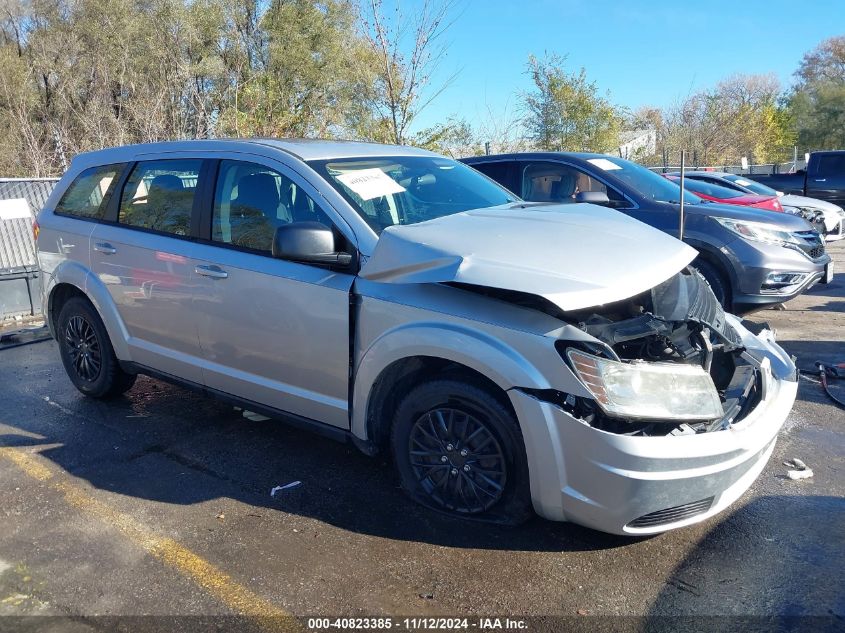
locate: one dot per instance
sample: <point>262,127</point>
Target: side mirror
<point>594,197</point>
<point>308,242</point>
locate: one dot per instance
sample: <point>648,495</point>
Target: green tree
<point>293,68</point>
<point>817,103</point>
<point>564,111</point>
<point>740,116</point>
<point>454,138</point>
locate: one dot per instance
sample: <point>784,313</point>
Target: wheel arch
<point>73,280</point>
<point>409,355</point>
<point>723,267</point>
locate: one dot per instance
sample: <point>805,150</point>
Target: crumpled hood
<point>575,255</point>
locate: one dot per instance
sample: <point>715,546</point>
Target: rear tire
<point>718,284</point>
<point>459,450</point>
<point>87,352</point>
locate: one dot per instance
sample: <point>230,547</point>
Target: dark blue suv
<point>750,257</point>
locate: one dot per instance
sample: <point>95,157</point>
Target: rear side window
<point>87,196</point>
<point>159,196</point>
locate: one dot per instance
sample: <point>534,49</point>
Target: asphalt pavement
<point>159,503</point>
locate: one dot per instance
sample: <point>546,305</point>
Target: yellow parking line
<point>214,581</point>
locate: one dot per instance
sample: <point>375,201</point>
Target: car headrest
<point>163,184</point>
<point>564,188</point>
<point>258,191</point>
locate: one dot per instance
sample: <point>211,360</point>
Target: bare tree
<point>405,54</point>
<point>503,131</point>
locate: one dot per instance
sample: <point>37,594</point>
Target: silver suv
<point>511,356</point>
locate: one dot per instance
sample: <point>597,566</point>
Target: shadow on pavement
<point>783,568</point>
<point>808,352</point>
<point>165,444</point>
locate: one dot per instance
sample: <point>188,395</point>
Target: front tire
<point>459,450</point>
<point>87,352</point>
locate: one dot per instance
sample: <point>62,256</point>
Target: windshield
<point>408,189</point>
<point>708,189</point>
<point>751,185</point>
<point>644,181</point>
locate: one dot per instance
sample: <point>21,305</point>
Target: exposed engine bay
<point>677,321</point>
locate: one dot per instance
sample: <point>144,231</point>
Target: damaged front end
<point>667,362</point>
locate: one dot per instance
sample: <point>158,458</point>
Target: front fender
<point>474,349</point>
<point>74,274</point>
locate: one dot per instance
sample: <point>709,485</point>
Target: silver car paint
<point>150,280</point>
<point>509,248</point>
<point>286,344</point>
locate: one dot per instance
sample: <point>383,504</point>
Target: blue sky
<point>643,52</point>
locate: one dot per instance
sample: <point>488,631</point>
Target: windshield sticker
<point>14,209</point>
<point>370,183</point>
<point>741,182</point>
<point>603,163</point>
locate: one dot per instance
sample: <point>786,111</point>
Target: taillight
<point>36,229</point>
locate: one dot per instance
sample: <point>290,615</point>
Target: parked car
<point>749,257</point>
<point>509,355</point>
<point>827,218</point>
<point>824,178</point>
<point>718,193</point>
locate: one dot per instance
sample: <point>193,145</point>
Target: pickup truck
<point>824,178</point>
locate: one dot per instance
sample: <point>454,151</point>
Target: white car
<point>818,212</point>
<point>827,217</point>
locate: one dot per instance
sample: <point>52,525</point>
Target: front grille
<point>811,243</point>
<point>672,515</point>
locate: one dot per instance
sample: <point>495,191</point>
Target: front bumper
<point>608,481</point>
<point>753,262</point>
<point>837,232</point>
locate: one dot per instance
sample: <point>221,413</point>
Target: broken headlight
<point>654,391</point>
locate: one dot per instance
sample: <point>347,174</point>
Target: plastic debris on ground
<point>798,469</point>
<point>291,485</point>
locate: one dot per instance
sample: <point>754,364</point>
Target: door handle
<point>105,248</point>
<point>215,272</point>
<point>821,179</point>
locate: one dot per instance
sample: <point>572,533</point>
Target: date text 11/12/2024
<point>417,623</point>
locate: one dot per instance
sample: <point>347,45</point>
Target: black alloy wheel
<point>458,448</point>
<point>457,460</point>
<point>87,352</point>
<point>83,348</point>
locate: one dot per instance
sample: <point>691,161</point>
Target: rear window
<point>708,189</point>
<point>87,196</point>
<point>752,185</point>
<point>159,196</point>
